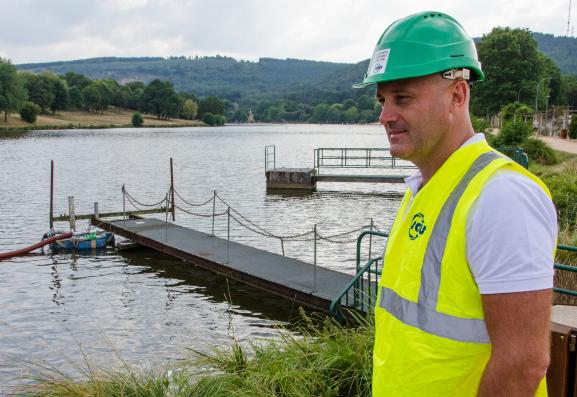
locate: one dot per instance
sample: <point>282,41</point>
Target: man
<point>465,295</point>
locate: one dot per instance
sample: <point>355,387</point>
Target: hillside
<point>225,77</point>
<point>221,76</point>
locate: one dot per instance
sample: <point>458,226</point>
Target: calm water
<point>141,305</point>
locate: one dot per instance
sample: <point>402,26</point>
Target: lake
<point>141,306</point>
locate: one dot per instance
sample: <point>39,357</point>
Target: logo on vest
<point>417,226</point>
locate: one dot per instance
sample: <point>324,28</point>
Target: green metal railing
<point>357,158</point>
<point>560,266</point>
<point>516,154</point>
<point>360,293</point>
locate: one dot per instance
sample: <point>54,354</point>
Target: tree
<point>29,112</point>
<point>92,98</point>
<point>212,105</point>
<point>510,61</point>
<point>160,99</point>
<point>351,115</point>
<point>61,95</point>
<point>12,92</point>
<point>76,80</point>
<point>76,101</point>
<point>189,109</point>
<point>137,119</point>
<point>40,89</point>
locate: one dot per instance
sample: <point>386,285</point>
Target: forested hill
<point>225,77</point>
<point>561,49</point>
<point>221,76</point>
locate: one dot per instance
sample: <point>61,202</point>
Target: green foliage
<point>12,92</point>
<point>563,186</point>
<point>213,119</point>
<point>562,49</point>
<point>61,95</point>
<point>92,98</point>
<point>189,109</point>
<point>511,62</point>
<point>40,88</point>
<point>29,112</point>
<point>212,105</point>
<point>573,127</point>
<point>513,133</point>
<point>539,151</point>
<point>480,124</point>
<point>137,120</point>
<point>75,99</point>
<point>325,360</point>
<point>515,111</point>
<point>160,99</point>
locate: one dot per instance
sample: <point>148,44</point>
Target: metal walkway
<point>295,280</point>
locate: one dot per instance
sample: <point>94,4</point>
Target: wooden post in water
<point>315,258</point>
<point>51,219</point>
<point>172,190</point>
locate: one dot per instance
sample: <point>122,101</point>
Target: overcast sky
<point>335,30</point>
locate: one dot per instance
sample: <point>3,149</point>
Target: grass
<point>325,359</point>
<point>112,118</point>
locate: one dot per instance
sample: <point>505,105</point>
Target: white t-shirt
<point>511,233</point>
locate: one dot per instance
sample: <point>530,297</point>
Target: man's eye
<point>401,98</point>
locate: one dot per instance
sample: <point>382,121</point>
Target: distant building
<point>250,116</point>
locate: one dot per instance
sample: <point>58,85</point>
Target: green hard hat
<point>421,44</point>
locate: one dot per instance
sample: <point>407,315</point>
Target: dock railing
<point>361,293</point>
<point>357,158</point>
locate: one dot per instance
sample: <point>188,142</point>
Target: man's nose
<point>388,114</point>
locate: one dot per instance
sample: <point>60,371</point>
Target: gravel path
<point>564,145</point>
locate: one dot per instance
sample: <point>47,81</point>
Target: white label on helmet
<point>379,62</point>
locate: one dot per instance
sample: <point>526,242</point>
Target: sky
<point>335,30</point>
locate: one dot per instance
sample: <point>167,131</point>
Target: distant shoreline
<point>68,120</point>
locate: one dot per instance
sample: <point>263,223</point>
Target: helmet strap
<point>454,74</point>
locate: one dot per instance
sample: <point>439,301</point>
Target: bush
<point>563,186</point>
<point>515,111</point>
<point>573,127</point>
<point>540,152</point>
<point>29,112</point>
<point>480,124</point>
<point>514,133</point>
<point>137,119</point>
<point>208,118</point>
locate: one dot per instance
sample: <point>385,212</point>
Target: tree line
<point>31,94</point>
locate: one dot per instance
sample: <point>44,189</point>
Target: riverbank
<point>115,118</point>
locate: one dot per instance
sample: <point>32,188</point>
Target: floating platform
<point>283,276</point>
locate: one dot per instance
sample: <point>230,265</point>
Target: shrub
<point>573,127</point>
<point>480,124</point>
<point>540,152</point>
<point>208,118</point>
<point>563,186</point>
<point>29,112</point>
<point>515,111</point>
<point>514,133</point>
<point>137,119</point>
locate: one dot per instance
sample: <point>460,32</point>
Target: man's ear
<point>460,94</point>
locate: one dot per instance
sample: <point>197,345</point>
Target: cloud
<point>337,30</point>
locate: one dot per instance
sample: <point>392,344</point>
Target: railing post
<point>315,258</point>
<point>166,200</point>
<point>371,240</point>
<point>172,190</point>
<point>123,206</point>
<point>213,209</point>
<point>228,235</point>
<point>71,213</point>
<point>51,219</point>
<point>282,245</point>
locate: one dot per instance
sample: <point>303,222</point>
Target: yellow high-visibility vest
<point>431,339</point>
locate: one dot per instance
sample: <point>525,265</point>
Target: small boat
<point>50,239</point>
<point>84,242</point>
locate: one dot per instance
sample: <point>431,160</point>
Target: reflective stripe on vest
<point>423,314</point>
